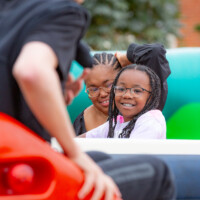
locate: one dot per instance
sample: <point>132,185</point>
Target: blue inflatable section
<point>186,172</point>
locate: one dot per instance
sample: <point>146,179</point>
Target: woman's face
<point>130,103</point>
<point>101,77</point>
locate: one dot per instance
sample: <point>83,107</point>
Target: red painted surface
<point>31,170</point>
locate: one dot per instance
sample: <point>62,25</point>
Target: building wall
<point>190,17</point>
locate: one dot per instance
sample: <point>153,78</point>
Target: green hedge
<point>115,24</point>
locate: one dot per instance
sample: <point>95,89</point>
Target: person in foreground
<point>35,59</point>
<point>135,95</point>
<point>105,68</point>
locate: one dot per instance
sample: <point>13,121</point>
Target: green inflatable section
<point>185,123</point>
<point>183,94</point>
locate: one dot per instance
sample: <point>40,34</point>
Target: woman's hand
<point>95,179</point>
<point>122,58</point>
<point>73,87</point>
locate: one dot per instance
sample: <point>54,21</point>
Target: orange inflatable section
<point>31,170</point>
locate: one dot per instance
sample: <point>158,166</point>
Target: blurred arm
<point>35,73</point>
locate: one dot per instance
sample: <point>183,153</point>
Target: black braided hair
<point>106,59</point>
<point>151,103</point>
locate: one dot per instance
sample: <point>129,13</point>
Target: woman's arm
<point>122,58</point>
<point>35,72</point>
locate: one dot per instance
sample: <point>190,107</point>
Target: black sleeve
<point>154,57</point>
<point>151,55</point>
<point>79,124</point>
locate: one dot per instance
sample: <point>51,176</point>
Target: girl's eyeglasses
<point>136,91</point>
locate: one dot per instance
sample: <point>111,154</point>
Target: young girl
<point>135,95</point>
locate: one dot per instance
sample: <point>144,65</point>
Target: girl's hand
<point>95,179</point>
<point>122,58</point>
